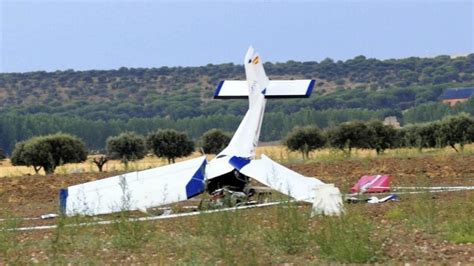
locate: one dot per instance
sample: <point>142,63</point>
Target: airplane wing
<point>137,190</point>
<point>325,198</point>
<point>280,178</point>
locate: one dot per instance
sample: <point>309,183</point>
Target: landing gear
<point>234,181</point>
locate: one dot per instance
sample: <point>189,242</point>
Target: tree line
<point>15,127</point>
<point>50,151</point>
<point>452,131</point>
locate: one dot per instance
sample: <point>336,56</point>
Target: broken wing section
<point>137,190</point>
<point>282,179</point>
<point>326,198</point>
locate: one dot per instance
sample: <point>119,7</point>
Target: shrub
<point>305,139</point>
<point>49,152</point>
<point>170,144</point>
<point>349,135</point>
<point>381,136</point>
<point>214,141</point>
<point>457,130</point>
<point>127,147</point>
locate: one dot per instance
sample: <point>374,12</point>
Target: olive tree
<point>49,152</point>
<point>169,144</point>
<point>457,130</point>
<point>349,135</point>
<point>126,147</point>
<point>214,141</point>
<point>305,140</point>
<point>100,161</point>
<point>423,136</point>
<point>381,137</point>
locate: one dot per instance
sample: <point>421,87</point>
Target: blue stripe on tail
<point>219,87</point>
<point>197,184</point>
<point>310,88</point>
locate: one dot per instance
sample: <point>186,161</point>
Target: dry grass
<point>282,154</point>
<point>6,169</point>
<point>274,151</point>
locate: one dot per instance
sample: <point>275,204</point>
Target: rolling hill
<point>98,103</point>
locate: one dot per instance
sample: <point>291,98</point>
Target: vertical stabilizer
<point>256,78</point>
<point>245,140</point>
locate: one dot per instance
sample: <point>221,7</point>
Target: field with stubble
<point>422,228</point>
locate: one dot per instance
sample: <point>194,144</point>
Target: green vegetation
<point>305,139</point>
<point>9,240</point>
<point>457,130</point>
<point>169,144</point>
<point>126,147</point>
<point>451,131</point>
<point>349,135</point>
<point>214,141</point>
<point>95,105</point>
<point>348,239</point>
<point>381,137</point>
<point>461,232</point>
<point>290,234</point>
<point>49,152</point>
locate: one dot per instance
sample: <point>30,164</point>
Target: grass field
<point>422,228</point>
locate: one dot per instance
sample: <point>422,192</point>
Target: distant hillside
<point>185,91</point>
<point>180,97</point>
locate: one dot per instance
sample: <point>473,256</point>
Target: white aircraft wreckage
<point>232,168</point>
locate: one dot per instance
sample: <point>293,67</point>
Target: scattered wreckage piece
<point>372,184</point>
<point>380,184</point>
<point>372,199</point>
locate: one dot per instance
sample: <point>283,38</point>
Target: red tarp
<point>372,184</point>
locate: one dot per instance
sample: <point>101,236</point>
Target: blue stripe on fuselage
<point>239,162</point>
<point>63,194</point>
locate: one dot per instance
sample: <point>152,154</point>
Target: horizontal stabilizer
<point>238,89</point>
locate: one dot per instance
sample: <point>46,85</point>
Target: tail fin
<point>256,78</point>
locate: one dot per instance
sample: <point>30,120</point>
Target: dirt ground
<point>34,195</point>
<point>38,194</point>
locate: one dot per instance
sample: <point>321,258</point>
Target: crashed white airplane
<point>233,167</point>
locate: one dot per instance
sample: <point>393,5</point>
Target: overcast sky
<point>81,35</point>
